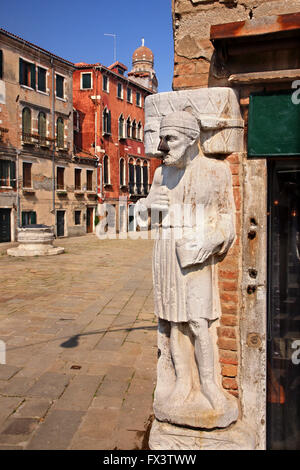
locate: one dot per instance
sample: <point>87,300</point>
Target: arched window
<point>106,121</point>
<point>26,125</point>
<point>121,127</point>
<point>60,138</point>
<point>138,177</point>
<point>145,177</point>
<point>106,175</point>
<point>128,128</point>
<point>131,176</point>
<point>134,130</point>
<point>122,172</point>
<point>140,131</point>
<point>42,127</point>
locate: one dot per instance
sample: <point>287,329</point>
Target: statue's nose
<point>163,146</point>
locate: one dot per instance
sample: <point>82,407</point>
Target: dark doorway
<point>89,220</point>
<point>5,225</point>
<point>283,390</point>
<point>60,221</point>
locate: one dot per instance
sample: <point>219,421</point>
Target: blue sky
<point>75,30</point>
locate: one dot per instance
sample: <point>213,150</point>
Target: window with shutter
<point>89,180</point>
<point>12,176</point>
<point>106,178</point>
<point>41,79</point>
<point>27,73</point>
<point>59,86</point>
<point>121,127</point>
<point>77,216</point>
<point>27,175</point>
<point>26,125</point>
<point>86,81</point>
<point>4,173</point>
<point>77,179</point>
<point>60,183</point>
<point>60,133</point>
<point>42,127</point>
<point>122,172</point>
<point>120,91</point>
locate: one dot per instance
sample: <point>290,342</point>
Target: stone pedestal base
<point>35,240</point>
<point>27,250</point>
<point>165,436</point>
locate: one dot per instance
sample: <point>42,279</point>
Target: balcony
<point>64,148</point>
<point>36,139</point>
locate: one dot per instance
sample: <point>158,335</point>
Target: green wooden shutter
<point>274,123</point>
<point>60,133</point>
<point>21,71</point>
<point>109,122</point>
<point>13,174</point>
<point>23,219</point>
<point>33,218</point>
<point>32,76</point>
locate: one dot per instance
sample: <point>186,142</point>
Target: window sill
<point>29,190</point>
<point>61,99</point>
<point>61,192</point>
<point>6,187</point>
<point>27,87</point>
<point>43,92</point>
<point>78,192</point>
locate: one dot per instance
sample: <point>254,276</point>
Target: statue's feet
<point>214,395</point>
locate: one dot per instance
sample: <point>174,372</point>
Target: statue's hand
<point>196,250</point>
<point>158,199</point>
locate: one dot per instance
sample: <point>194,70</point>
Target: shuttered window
<point>59,86</point>
<point>60,183</point>
<point>86,81</point>
<point>89,180</point>
<point>106,178</point>
<point>27,74</point>
<point>26,125</point>
<point>41,79</point>
<point>122,172</point>
<point>106,122</point>
<point>42,127</point>
<point>4,173</point>
<point>27,175</point>
<point>60,133</point>
<point>138,99</point>
<point>77,178</point>
<point>77,217</point>
<point>121,127</point>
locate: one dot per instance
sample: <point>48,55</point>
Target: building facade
<point>253,47</point>
<point>38,169</point>
<point>110,125</point>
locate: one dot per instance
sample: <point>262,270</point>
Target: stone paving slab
<point>81,349</point>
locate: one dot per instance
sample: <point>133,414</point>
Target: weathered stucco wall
<point>192,20</point>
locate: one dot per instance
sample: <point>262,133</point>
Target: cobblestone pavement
<point>80,338</point>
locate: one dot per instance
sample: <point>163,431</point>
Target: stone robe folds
<point>186,293</point>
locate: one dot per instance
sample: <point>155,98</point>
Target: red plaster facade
<point>101,103</point>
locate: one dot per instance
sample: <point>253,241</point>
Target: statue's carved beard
<point>173,158</point>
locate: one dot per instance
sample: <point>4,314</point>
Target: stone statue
<point>194,195</point>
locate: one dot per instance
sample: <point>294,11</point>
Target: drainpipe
<point>53,147</point>
<point>18,193</point>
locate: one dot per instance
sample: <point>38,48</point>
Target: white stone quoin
<point>189,130</point>
<point>35,240</point>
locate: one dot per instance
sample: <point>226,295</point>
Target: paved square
<point>77,329</point>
